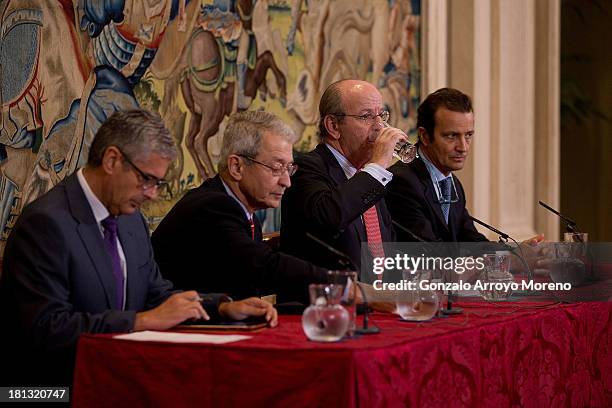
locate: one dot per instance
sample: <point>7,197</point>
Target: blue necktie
<point>445,189</point>
<point>110,241</point>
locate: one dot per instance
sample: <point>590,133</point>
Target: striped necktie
<point>445,189</point>
<point>370,219</point>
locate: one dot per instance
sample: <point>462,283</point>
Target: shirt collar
<point>347,167</point>
<point>100,212</point>
<point>435,174</point>
<point>231,194</point>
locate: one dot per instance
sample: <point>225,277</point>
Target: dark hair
<point>137,133</point>
<point>331,102</point>
<point>449,98</point>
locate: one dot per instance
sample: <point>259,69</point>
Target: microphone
<point>407,231</point>
<point>345,261</point>
<point>503,239</point>
<point>570,225</point>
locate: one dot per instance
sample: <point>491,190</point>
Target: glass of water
<point>497,273</point>
<point>348,281</point>
<point>571,256</point>
<point>420,304</point>
<point>403,151</point>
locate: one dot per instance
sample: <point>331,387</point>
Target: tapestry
<point>67,65</point>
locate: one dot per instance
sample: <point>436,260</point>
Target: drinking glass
<point>497,270</point>
<point>569,265</point>
<point>403,151</point>
<point>419,304</point>
<point>348,281</point>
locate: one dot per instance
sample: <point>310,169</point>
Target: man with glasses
<point>424,196</point>
<point>211,237</point>
<point>79,259</point>
<point>337,196</point>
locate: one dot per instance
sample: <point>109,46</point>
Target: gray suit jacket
<point>57,280</point>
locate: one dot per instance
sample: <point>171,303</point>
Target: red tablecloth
<point>497,355</point>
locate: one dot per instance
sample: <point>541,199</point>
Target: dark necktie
<point>445,189</point>
<point>110,241</point>
<point>252,224</point>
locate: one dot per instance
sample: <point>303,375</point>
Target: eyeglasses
<point>147,180</point>
<point>277,169</point>
<point>368,117</point>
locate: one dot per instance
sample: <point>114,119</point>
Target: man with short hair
<point>337,196</point>
<point>424,196</point>
<point>211,237</point>
<point>79,259</point>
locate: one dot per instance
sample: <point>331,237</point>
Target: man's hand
<point>175,310</point>
<point>534,240</point>
<point>535,254</point>
<point>243,309</point>
<point>384,144</point>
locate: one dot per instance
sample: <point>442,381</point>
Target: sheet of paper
<point>182,337</point>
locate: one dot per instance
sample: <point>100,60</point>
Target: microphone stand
<point>503,239</point>
<point>345,262</point>
<point>407,231</point>
<point>570,225</point>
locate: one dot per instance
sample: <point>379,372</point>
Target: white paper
<point>172,337</point>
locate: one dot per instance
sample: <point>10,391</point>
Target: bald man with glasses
<point>212,239</point>
<point>338,194</point>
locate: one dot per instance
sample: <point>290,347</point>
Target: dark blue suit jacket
<point>57,281</point>
<point>413,204</point>
<point>325,203</point>
<point>205,242</point>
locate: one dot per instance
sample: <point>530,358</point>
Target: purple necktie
<point>110,240</point>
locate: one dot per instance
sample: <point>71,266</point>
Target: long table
<point>497,355</point>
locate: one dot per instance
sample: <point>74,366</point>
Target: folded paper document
<point>172,337</point>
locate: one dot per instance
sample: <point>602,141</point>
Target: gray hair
<point>244,132</point>
<point>331,103</point>
<point>137,133</point>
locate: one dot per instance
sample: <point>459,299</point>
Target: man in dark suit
<point>337,194</point>
<point>424,196</point>
<point>79,259</point>
<point>211,238</point>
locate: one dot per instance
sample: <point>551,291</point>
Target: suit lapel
<point>338,177</point>
<point>429,191</point>
<point>90,235</point>
<point>217,184</point>
<point>258,232</point>
<point>333,167</point>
